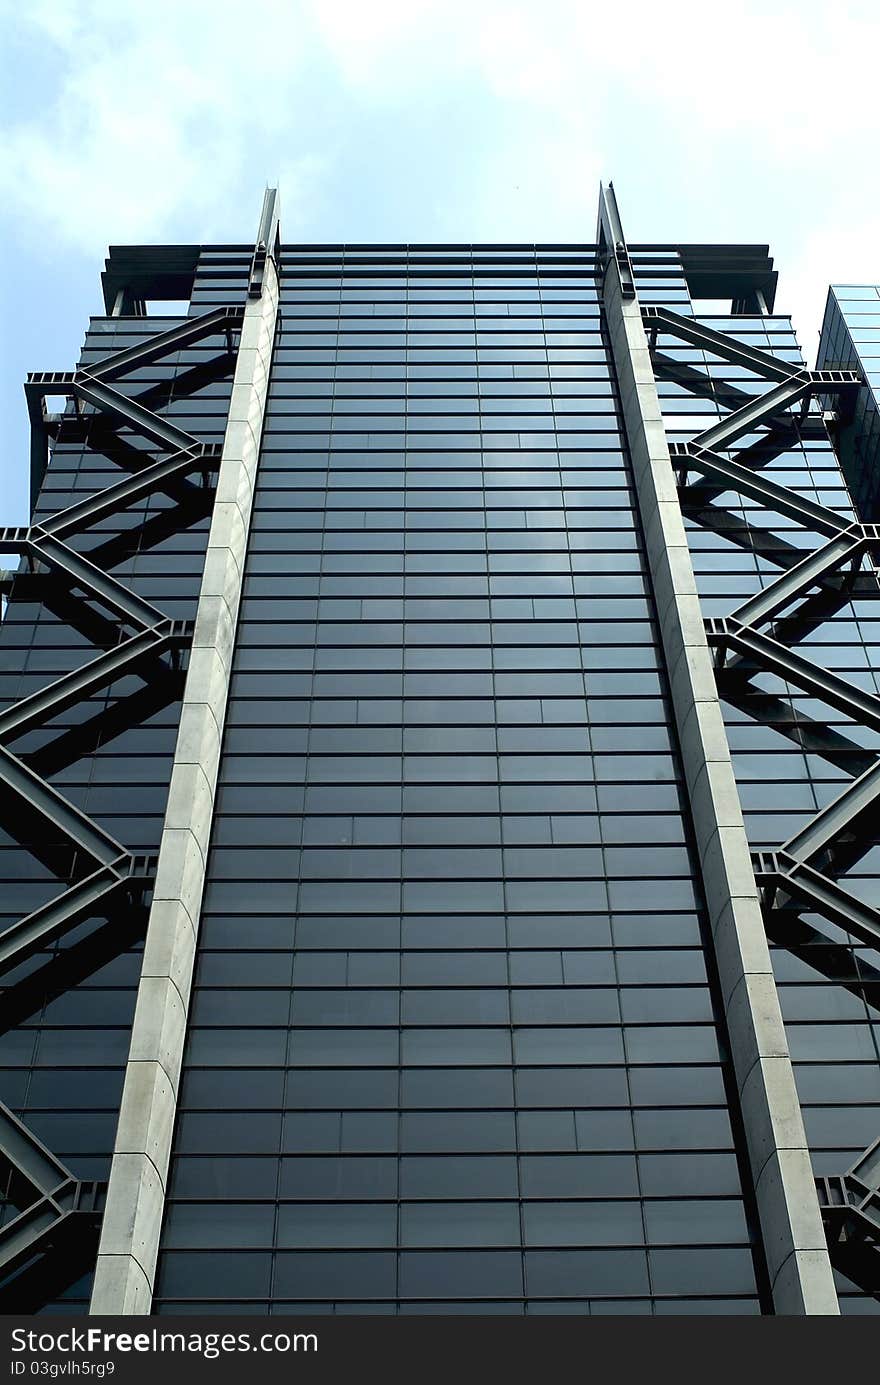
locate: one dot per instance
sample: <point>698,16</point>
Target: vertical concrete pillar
<point>788,1207</point>
<point>129,1244</point>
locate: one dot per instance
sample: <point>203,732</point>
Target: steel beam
<point>44,926</point>
<point>816,682</point>
<point>153,427</point>
<point>839,382</point>
<point>688,329</point>
<point>128,492</point>
<point>47,1246</point>
<point>21,1237</point>
<point>30,1160</point>
<point>847,547</point>
<point>84,682</point>
<point>99,585</point>
<point>867,1168</point>
<point>851,1209</point>
<point>61,815</point>
<point>750,416</point>
<point>836,817</point>
<point>780,499</point>
<point>160,344</point>
<point>47,1192</point>
<point>776,871</point>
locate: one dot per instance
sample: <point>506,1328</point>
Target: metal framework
<point>851,1211</point>
<point>53,1238</point>
<point>795,877</point>
<point>128,1248</point>
<point>795,1248</point>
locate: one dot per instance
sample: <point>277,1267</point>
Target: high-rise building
<point>438,766</point>
<point>851,340</point>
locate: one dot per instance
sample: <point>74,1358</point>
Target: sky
<point>139,121</point>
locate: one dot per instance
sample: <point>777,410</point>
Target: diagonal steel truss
<point>793,878</point>
<point>60,1219</point>
<point>850,1207</point>
<point>57,1209</point>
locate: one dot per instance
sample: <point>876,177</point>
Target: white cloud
<point>385,46</point>
<point>157,113</point>
<point>167,118</point>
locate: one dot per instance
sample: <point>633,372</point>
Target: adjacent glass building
<point>851,339</point>
<point>381,931</point>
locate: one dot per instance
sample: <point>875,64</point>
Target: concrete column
<point>791,1225</point>
<point>129,1243</point>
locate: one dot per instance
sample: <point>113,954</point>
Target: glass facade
<point>851,339</point>
<point>456,1042</point>
<point>453,1043</point>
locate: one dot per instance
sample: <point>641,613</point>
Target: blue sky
<point>408,120</point>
